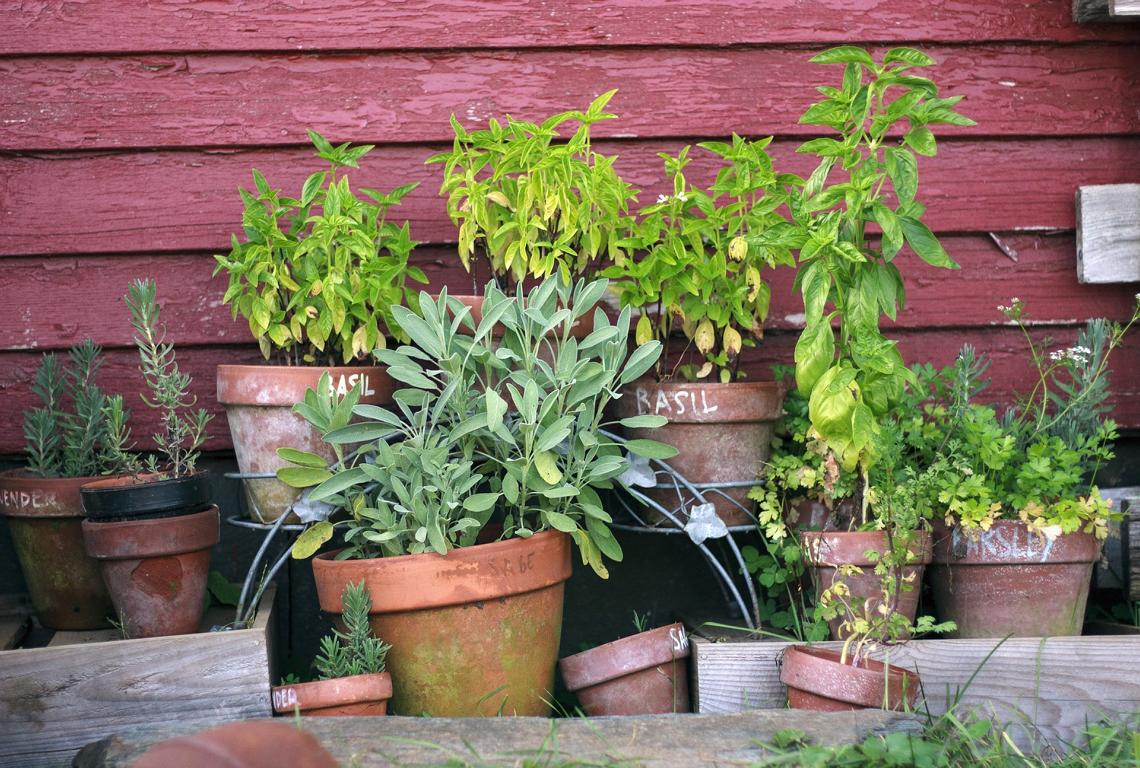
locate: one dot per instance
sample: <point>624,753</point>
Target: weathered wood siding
<point>125,129</point>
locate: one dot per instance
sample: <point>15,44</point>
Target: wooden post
<point>1108,233</point>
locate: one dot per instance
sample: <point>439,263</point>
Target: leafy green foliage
<point>182,431</point>
<point>530,206</point>
<point>507,429</point>
<point>316,275</point>
<point>696,271</point>
<point>853,379</point>
<point>354,651</point>
<point>69,434</point>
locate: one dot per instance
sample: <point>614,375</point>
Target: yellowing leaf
<point>731,341</point>
<point>547,465</point>
<point>705,336</point>
<point>738,249</point>
<point>644,333</point>
<point>752,276</point>
<point>704,370</point>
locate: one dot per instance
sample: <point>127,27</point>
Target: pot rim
<point>166,536</point>
<point>837,548</point>
<point>734,402</point>
<point>1010,542</point>
<point>132,497</point>
<point>22,478</point>
<point>285,385</point>
<point>805,667</point>
<point>335,692</point>
<point>624,656</point>
<point>466,575</point>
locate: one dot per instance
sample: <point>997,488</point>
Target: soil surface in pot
<point>644,674</point>
<point>817,680</point>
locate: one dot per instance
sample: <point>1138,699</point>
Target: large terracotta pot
<point>826,551</point>
<point>156,570</point>
<point>1010,581</point>
<point>817,680</point>
<point>355,695</point>
<point>44,517</point>
<point>722,432</point>
<point>473,632</point>
<point>259,402</point>
<point>644,674</point>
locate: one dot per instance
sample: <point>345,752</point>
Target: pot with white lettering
<point>259,402</point>
<point>722,433</point>
<point>643,674</point>
<point>1011,581</point>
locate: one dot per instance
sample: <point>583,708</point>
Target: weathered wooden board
<point>87,290</point>
<point>1108,233</point>
<point>1124,9</point>
<point>654,741</point>
<point>1047,688</point>
<point>1085,11</point>
<point>54,700</point>
<point>198,100</point>
<point>124,26</point>
<point>191,200</point>
<point>1116,566</point>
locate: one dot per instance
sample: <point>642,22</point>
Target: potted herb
<point>697,273</point>
<point>315,277</point>
<point>67,446</point>
<point>529,202</point>
<point>350,668</point>
<point>458,506</point>
<point>152,530</point>
<point>643,674</point>
<point>1024,519</point>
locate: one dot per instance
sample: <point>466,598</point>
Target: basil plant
<point>498,422</point>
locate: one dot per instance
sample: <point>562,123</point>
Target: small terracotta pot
<point>156,570</point>
<point>248,744</point>
<point>44,517</point>
<point>259,402</point>
<point>473,632</point>
<point>355,695</point>
<point>825,551</point>
<point>644,674</point>
<point>1010,581</point>
<point>582,328</point>
<point>128,497</point>
<point>804,514</point>
<point>723,433</point>
<point>817,680</point>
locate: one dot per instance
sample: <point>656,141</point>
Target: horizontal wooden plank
<point>1044,688</point>
<point>1126,10</point>
<point>1005,346</point>
<point>187,200</point>
<point>77,297</point>
<point>121,26</point>
<point>227,99</point>
<point>1108,233</point>
<point>56,699</point>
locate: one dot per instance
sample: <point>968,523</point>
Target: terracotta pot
<point>259,402</point>
<point>825,551</point>
<point>355,695</point>
<point>723,433</point>
<point>44,517</point>
<point>583,326</point>
<point>817,680</point>
<point>248,744</point>
<point>644,674</point>
<point>803,514</point>
<point>144,497</point>
<point>473,632</point>
<point>156,570</point>
<point>1009,581</point>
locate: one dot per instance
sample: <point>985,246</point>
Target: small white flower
<point>663,198</point>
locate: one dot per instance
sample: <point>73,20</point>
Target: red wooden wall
<point>126,127</point>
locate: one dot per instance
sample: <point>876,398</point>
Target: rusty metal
<point>817,680</point>
<point>1011,581</point>
<point>354,695</point>
<point>644,674</point>
<point>44,518</point>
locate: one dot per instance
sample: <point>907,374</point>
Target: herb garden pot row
<point>259,402</point>
<point>817,679</point>
<point>361,695</point>
<point>722,433</point>
<point>473,632</point>
<point>44,517</point>
<point>644,674</point>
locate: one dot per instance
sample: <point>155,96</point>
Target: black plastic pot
<point>142,497</point>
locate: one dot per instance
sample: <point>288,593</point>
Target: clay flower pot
<point>817,680</point>
<point>156,570</point>
<point>355,695</point>
<point>723,434</point>
<point>259,402</point>
<point>1010,581</point>
<point>644,674</point>
<point>249,744</point>
<point>44,517</point>
<point>128,497</point>
<point>473,632</point>
<point>825,551</point>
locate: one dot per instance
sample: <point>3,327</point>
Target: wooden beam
<point>1091,11</point>
<point>1108,233</point>
<point>1124,8</point>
